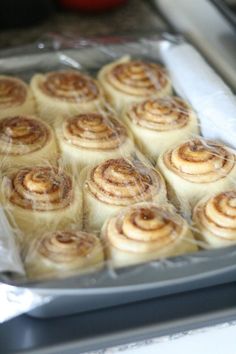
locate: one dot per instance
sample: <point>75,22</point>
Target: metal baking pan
<point>108,287</point>
<point>166,316</point>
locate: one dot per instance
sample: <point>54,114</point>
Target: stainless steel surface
<point>227,10</point>
<point>207,28</point>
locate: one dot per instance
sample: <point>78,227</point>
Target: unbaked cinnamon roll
<point>116,183</point>
<point>146,232</point>
<point>38,198</point>
<point>15,97</point>
<point>127,81</point>
<point>63,252</point>
<point>90,138</point>
<point>215,219</point>
<point>65,93</point>
<point>159,123</point>
<point>197,168</point>
<point>26,140</point>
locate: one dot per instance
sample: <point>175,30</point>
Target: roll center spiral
<point>39,182</point>
<point>160,114</point>
<point>11,92</point>
<point>94,131</point>
<point>18,130</point>
<point>149,225</point>
<point>137,78</point>
<point>65,238</point>
<point>199,161</point>
<point>70,86</point>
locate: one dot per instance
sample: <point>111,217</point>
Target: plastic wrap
<point>104,192</point>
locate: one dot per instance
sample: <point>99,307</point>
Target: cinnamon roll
<point>215,219</point>
<point>116,183</point>
<point>63,252</point>
<point>159,123</point>
<point>65,93</point>
<point>197,168</point>
<point>90,138</point>
<point>146,232</point>
<point>15,97</point>
<point>26,140</point>
<point>127,81</point>
<point>41,198</point>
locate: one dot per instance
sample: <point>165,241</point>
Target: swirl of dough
<point>70,86</point>
<point>137,78</point>
<point>66,246</point>
<point>121,182</point>
<point>94,131</point>
<point>40,189</point>
<point>160,114</point>
<point>57,253</point>
<point>21,135</point>
<point>13,92</point>
<point>200,162</point>
<point>216,217</point>
<point>144,228</point>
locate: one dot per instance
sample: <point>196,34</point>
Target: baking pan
<point>165,316</point>
<point>114,287</point>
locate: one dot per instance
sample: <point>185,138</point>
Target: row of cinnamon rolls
<point>70,92</point>
<point>48,206</point>
<point>125,199</point>
<point>136,92</point>
<point>101,184</point>
<point>136,234</point>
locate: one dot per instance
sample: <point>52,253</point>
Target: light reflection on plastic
<point>15,301</point>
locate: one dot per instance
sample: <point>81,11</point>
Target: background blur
<point>26,21</point>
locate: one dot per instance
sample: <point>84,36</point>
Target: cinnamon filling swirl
<point>40,189</point>
<point>200,162</point>
<point>94,131</point>
<point>218,215</point>
<point>137,78</point>
<point>121,182</point>
<point>22,135</point>
<point>66,246</point>
<point>144,228</point>
<point>161,114</point>
<point>70,86</point>
<point>13,92</point>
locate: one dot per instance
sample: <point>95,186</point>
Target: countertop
<point>134,17</point>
